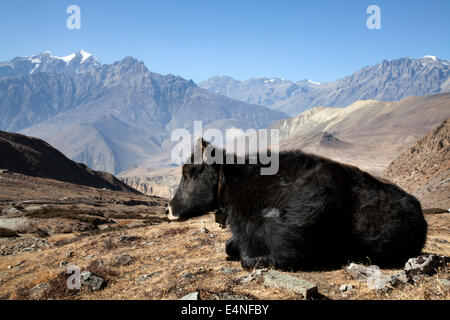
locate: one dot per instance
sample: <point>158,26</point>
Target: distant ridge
<point>386,81</point>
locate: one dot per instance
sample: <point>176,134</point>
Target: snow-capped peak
<point>67,59</point>
<point>310,81</point>
<point>85,55</point>
<point>430,57</point>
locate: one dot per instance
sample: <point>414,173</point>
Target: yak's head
<point>197,191</point>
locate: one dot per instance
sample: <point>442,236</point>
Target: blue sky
<point>319,40</point>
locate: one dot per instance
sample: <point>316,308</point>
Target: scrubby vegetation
<point>7,233</point>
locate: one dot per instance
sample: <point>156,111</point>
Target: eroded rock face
<point>424,169</point>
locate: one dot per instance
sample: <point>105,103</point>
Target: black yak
<point>314,212</point>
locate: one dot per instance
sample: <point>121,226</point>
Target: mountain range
<point>119,116</point>
<point>114,116</point>
<point>386,81</point>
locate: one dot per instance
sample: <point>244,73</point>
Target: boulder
<point>94,282</point>
<point>426,264</point>
<point>361,272</point>
<point>399,278</point>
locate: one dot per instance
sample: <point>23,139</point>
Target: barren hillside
<point>35,157</point>
<point>424,170</point>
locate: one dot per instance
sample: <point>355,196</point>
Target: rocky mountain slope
<point>424,169</point>
<point>34,157</point>
<point>162,183</point>
<point>112,116</point>
<point>386,81</point>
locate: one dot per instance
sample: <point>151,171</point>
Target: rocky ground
<point>132,252</point>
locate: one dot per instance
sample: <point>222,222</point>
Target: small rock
<point>100,262</point>
<point>426,264</point>
<point>346,287</point>
<point>191,296</point>
<point>148,276</point>
<point>85,275</point>
<point>10,267</point>
<point>70,254</point>
<point>123,259</point>
<point>445,284</point>
<point>441,241</point>
<point>187,275</point>
<point>252,276</point>
<point>204,230</point>
<point>128,238</point>
<point>39,290</point>
<point>399,278</point>
<point>360,272</point>
<point>283,281</point>
<point>63,263</point>
<point>227,270</point>
<point>212,236</point>
<point>89,257</point>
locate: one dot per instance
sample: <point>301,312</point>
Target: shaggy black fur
<point>314,213</point>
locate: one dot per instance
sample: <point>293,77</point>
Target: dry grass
<point>167,251</point>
